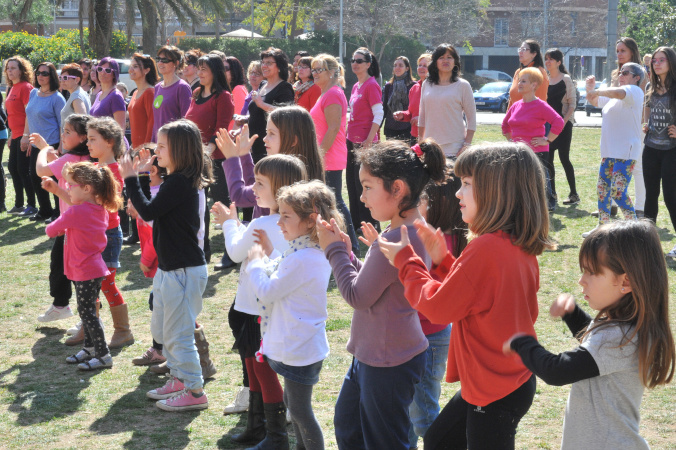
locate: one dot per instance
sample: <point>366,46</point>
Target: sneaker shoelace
<point>179,395</point>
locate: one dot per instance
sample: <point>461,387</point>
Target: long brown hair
<point>298,137</point>
<point>669,82</point>
<point>443,210</point>
<point>185,147</point>
<point>633,248</point>
<point>104,185</point>
<point>111,132</point>
<point>313,197</point>
<point>509,191</point>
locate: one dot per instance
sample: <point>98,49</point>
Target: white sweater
<point>295,298</point>
<point>238,240</point>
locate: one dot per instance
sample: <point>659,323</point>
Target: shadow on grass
<point>47,387</point>
<point>226,440</point>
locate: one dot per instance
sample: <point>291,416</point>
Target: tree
<point>650,23</point>
<point>274,15</point>
<point>23,12</point>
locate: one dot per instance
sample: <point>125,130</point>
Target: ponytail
<point>433,159</point>
<point>105,187</point>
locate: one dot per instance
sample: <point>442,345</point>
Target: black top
<point>390,123</point>
<point>555,94</point>
<point>174,211</point>
<point>281,95</point>
<point>565,368</point>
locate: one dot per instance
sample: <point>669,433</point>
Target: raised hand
<point>433,240</point>
<point>225,144</point>
<point>244,142</point>
<point>49,185</point>
<point>256,252</point>
<point>563,304</point>
<point>37,141</point>
<point>222,213</point>
<point>126,167</point>
<point>370,233</point>
<point>328,233</point>
<point>390,249</point>
<point>264,241</point>
<point>590,84</point>
<point>144,160</point>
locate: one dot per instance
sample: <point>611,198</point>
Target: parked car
<point>494,75</point>
<point>493,96</point>
<point>582,103</point>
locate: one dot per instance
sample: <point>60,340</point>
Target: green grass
<point>46,403</point>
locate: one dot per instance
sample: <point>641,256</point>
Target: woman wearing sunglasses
<point>43,116</point>
<point>109,102</point>
<point>78,101</point>
<point>172,95</point>
<point>366,115</point>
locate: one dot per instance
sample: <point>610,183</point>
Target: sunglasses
<point>67,77</point>
<point>104,69</point>
<point>42,73</point>
<point>358,61</point>
<point>627,73</point>
<point>164,60</point>
<point>317,71</point>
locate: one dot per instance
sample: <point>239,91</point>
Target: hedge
<point>62,48</point>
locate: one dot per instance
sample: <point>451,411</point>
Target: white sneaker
<point>672,253</point>
<point>53,313</point>
<point>240,404</point>
<point>72,331</point>
<point>587,233</point>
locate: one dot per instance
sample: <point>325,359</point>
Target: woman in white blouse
<point>445,98</point>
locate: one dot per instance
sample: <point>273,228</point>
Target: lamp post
<point>340,35</point>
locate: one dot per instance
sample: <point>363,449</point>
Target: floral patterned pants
<point>614,178</point>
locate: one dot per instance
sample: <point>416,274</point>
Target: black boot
<point>133,235</point>
<point>275,426</point>
<point>255,421</point>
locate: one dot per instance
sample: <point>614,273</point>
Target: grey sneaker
<point>83,355</point>
<point>104,362</point>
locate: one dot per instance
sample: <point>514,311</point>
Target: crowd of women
<point>191,130</point>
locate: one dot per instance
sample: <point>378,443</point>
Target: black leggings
<point>461,425</point>
<point>236,320</point>
<point>358,210</point>
<point>2,174</point>
<point>18,168</point>
<point>59,285</point>
<point>659,165</point>
<point>562,144</point>
<point>86,293</point>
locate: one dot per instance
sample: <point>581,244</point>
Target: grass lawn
<point>46,403</point>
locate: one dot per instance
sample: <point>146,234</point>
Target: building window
<point>531,24</point>
<point>501,32</point>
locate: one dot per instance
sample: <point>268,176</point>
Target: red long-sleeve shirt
<point>489,293</point>
<point>413,106</point>
<point>210,114</point>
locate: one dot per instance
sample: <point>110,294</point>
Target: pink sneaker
<point>184,401</point>
<point>171,388</point>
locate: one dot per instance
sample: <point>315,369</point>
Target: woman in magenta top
<point>526,118</point>
<point>19,75</point>
<point>329,115</point>
<point>172,95</point>
<point>109,102</point>
<point>366,114</point>
<point>234,73</point>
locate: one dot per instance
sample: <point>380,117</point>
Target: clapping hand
<point>256,252</point>
<point>328,233</point>
<point>370,233</point>
<point>264,241</point>
<point>564,304</point>
<point>222,213</point>
<point>390,249</point>
<point>433,240</point>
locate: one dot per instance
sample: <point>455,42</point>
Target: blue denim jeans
<point>111,254</point>
<point>177,300</point>
<point>372,407</point>
<point>425,406</point>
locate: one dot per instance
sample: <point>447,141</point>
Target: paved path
<point>581,119</point>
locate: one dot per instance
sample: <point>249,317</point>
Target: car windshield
<point>494,88</point>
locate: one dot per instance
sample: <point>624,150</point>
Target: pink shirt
<point>361,116</point>
<point>85,227</point>
<point>336,157</point>
<point>56,167</point>
<point>526,121</point>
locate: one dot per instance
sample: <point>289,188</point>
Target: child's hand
<point>144,160</point>
<point>131,211</point>
<point>52,155</point>
<point>226,144</point>
<point>37,141</point>
<point>222,213</point>
<point>143,267</point>
<point>244,142</point>
<point>256,252</point>
<point>328,233</point>
<point>49,185</point>
<point>264,241</point>
<point>671,130</point>
<point>398,115</point>
<point>390,249</point>
<point>564,304</point>
<point>126,167</point>
<point>370,233</point>
<point>507,346</point>
<point>433,240</point>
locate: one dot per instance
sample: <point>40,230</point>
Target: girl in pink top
<point>92,191</point>
<point>525,122</point>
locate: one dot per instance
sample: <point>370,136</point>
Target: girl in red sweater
<point>488,293</point>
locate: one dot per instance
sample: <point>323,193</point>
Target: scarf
<point>295,245</point>
<point>300,87</point>
<point>399,99</point>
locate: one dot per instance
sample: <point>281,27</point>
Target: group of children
<point>405,293</point>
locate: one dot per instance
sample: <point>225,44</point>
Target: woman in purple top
<point>172,94</point>
<point>109,102</point>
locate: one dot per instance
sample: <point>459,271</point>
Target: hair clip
<point>417,150</point>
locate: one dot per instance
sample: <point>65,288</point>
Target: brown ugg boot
<point>78,338</point>
<point>160,369</point>
<point>122,334</point>
<point>208,368</point>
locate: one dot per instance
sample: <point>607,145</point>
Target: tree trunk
<point>149,22</point>
<point>294,20</point>
<point>130,15</point>
<point>102,29</point>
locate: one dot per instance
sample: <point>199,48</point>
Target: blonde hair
<point>509,191</point>
<point>105,187</point>
<point>427,56</point>
<point>534,75</point>
<point>330,63</point>
<point>311,197</point>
